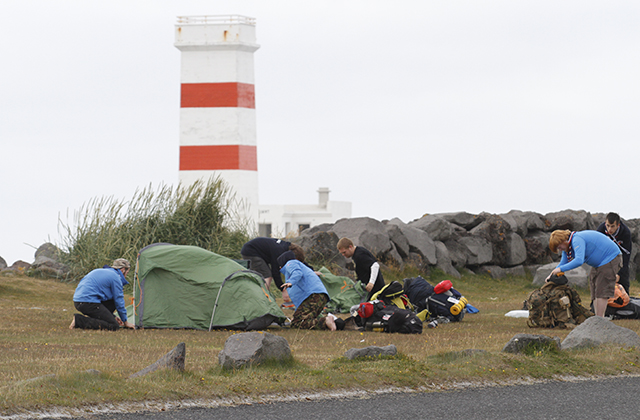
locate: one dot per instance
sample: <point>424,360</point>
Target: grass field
<point>35,342</point>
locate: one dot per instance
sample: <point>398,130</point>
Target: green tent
<point>343,291</point>
<point>178,286</point>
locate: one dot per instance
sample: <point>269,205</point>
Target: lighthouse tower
<point>217,105</point>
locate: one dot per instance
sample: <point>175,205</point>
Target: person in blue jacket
<point>98,295</point>
<point>308,294</point>
<point>595,249</point>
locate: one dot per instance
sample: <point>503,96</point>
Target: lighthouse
<point>217,105</point>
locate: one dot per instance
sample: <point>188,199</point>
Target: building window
<point>264,229</point>
<point>303,226</point>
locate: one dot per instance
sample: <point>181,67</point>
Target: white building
<point>282,220</point>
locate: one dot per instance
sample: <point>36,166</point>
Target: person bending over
<point>595,249</point>
<point>263,255</point>
<point>308,294</point>
<point>98,295</point>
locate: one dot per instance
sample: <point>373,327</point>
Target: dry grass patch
<point>35,341</point>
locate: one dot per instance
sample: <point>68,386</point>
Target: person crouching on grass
<point>308,294</point>
<point>367,267</point>
<point>98,295</point>
<point>595,249</point>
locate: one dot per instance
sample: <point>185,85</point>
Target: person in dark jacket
<point>619,233</point>
<point>98,295</point>
<point>263,255</point>
<point>367,267</point>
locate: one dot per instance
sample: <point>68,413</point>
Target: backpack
<point>629,311</point>
<point>393,294</point>
<point>449,304</point>
<point>418,291</point>
<point>555,305</point>
<point>620,298</point>
<point>376,316</point>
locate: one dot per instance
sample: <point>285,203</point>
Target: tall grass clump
<point>204,214</point>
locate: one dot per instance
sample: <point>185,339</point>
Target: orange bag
<point>620,299</point>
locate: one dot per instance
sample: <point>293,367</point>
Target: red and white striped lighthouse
<point>217,104</point>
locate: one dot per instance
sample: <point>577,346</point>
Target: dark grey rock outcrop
<point>371,351</point>
<point>172,360</point>
<point>484,243</point>
<point>520,342</point>
<point>596,331</point>
<point>253,348</point>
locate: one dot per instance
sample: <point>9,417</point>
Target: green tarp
<point>177,286</point>
<point>343,291</point>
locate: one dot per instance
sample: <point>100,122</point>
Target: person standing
<point>367,267</point>
<point>619,233</point>
<point>595,249</point>
<point>98,295</point>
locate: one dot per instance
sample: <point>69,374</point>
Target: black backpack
<point>630,311</point>
<point>392,319</point>
<point>418,291</point>
<point>440,304</point>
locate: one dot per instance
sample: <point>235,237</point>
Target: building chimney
<point>323,197</point>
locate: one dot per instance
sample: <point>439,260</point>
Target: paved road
<point>595,399</point>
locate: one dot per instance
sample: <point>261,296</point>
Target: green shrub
<point>204,214</point>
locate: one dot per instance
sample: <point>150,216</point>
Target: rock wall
<point>514,243</point>
<point>495,244</point>
<point>45,264</point>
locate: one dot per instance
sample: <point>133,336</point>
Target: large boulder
<point>435,226</point>
<point>497,232</point>
<point>457,252</point>
<point>578,277</point>
<point>324,227</point>
<point>3,263</point>
<point>20,266</point>
<point>596,331</point>
<point>172,360</point>
<point>522,222</point>
<point>516,250</point>
<point>478,251</point>
<point>366,232</point>
<point>47,267</point>
<point>444,261</point>
<point>519,343</point>
<point>397,237</point>
<point>463,219</point>
<point>419,241</point>
<point>491,270</point>
<point>48,250</point>
<point>47,263</point>
<point>321,246</point>
<point>573,220</point>
<point>253,348</point>
<point>371,352</point>
<point>537,246</point>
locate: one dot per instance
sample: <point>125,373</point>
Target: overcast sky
<point>401,107</point>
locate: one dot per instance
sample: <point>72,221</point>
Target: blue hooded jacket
<point>103,284</point>
<point>304,282</point>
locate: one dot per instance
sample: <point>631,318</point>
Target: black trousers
<point>99,316</point>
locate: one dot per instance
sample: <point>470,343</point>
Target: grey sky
<point>403,108</point>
